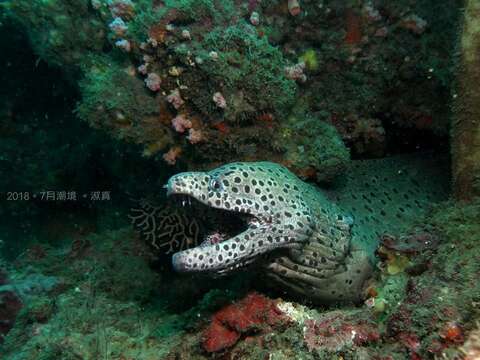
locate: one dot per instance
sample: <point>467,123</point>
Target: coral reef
<point>94,307</point>
<point>233,69</point>
<point>195,83</point>
<point>427,308</point>
<point>118,102</point>
<point>88,301</point>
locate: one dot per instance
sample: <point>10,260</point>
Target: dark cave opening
<point>47,152</point>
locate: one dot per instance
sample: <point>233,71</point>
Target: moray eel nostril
<point>328,237</point>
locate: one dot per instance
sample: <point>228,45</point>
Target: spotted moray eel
<point>325,238</point>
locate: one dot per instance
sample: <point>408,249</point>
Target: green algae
<point>119,102</point>
<point>246,65</point>
<point>108,91</point>
<point>315,143</point>
<point>57,37</point>
<point>108,303</point>
<point>188,11</point>
<point>102,311</point>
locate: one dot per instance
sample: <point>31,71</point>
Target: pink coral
<point>195,136</point>
<point>255,18</point>
<point>186,34</point>
<point>219,100</point>
<point>296,72</point>
<point>180,123</point>
<point>153,81</point>
<point>371,13</point>
<point>171,156</point>
<point>175,99</point>
<point>143,69</point>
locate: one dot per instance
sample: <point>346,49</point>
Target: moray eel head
<point>265,195</point>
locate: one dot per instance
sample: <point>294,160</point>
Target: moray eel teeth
<point>276,217</point>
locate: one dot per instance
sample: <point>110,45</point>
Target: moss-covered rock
<point>246,69</point>
<point>61,32</point>
<point>117,101</point>
<point>314,148</point>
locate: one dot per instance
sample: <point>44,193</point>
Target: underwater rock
<point>471,348</point>
<point>255,315</point>
<point>10,305</point>
<point>31,285</point>
<point>313,148</point>
<point>411,243</point>
<point>58,36</point>
<point>335,332</point>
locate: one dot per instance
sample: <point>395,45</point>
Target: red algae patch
<point>254,315</point>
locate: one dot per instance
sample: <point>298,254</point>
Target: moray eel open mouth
<point>218,225</point>
<point>255,211</point>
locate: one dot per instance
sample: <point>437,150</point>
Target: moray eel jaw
<point>254,190</point>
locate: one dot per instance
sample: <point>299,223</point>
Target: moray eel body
<point>320,243</point>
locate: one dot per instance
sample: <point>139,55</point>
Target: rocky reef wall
<point>198,83</point>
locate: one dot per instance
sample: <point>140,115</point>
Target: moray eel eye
<point>215,184</point>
